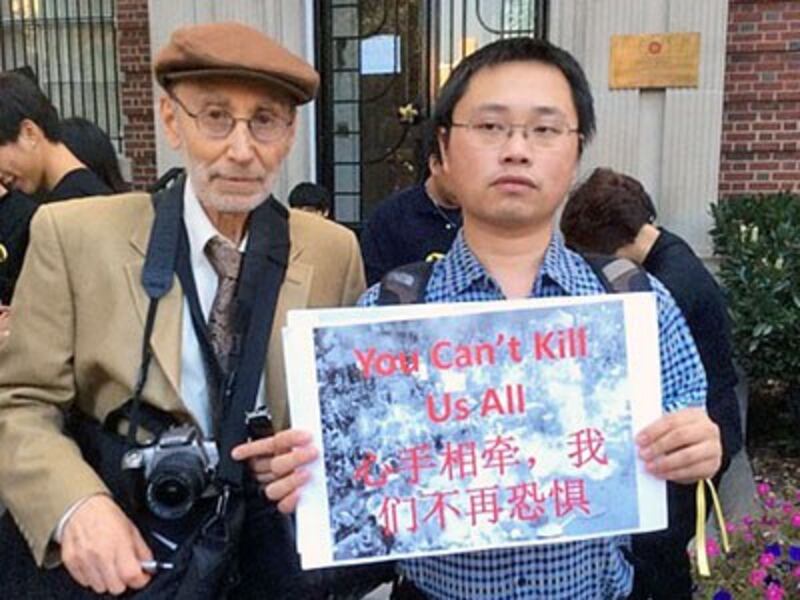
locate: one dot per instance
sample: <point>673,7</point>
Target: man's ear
<point>169,119</point>
<point>442,139</point>
<point>30,134</point>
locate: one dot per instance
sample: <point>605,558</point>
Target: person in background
<point>612,213</point>
<point>16,211</point>
<point>311,197</point>
<point>414,224</point>
<point>33,157</point>
<point>92,146</point>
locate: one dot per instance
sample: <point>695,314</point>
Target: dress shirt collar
<point>462,269</point>
<point>198,226</point>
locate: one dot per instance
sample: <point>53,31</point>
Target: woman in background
<point>92,146</point>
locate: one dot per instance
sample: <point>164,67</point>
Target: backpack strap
<point>405,284</point>
<point>618,275</point>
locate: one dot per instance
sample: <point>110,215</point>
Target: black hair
<point>606,212</point>
<point>20,99</point>
<point>92,146</point>
<point>28,72</point>
<point>310,194</point>
<point>516,50</point>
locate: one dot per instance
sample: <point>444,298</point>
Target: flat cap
<point>237,50</point>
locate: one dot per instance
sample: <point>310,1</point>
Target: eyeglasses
<point>218,123</point>
<point>495,133</point>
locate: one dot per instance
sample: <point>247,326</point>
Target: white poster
<point>448,428</point>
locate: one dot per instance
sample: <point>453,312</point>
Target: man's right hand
<point>102,549</point>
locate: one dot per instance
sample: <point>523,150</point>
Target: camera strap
<point>263,270</point>
<point>159,266</point>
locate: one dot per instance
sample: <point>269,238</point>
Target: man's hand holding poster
<point>454,427</point>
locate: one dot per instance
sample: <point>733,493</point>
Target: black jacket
<point>16,211</point>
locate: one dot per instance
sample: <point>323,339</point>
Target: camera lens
<point>175,484</point>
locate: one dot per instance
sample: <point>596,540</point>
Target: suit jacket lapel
<point>295,293</point>
<point>296,286</point>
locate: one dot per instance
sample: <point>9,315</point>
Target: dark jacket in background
<point>700,299</point>
<point>16,210</point>
<point>660,558</point>
<point>406,227</point>
<point>79,183</point>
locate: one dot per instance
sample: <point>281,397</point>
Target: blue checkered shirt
<point>585,570</point>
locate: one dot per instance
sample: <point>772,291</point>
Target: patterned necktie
<point>226,260</point>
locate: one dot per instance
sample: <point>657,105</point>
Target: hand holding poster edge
<point>313,521</point>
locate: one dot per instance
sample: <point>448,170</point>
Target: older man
<point>512,120</point>
<point>230,107</point>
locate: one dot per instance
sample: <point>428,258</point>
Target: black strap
<point>262,277</point>
<point>157,281</point>
<point>407,284</point>
<point>618,275</point>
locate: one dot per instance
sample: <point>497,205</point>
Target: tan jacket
<point>78,322</point>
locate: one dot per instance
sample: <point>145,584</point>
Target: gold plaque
<point>655,60</point>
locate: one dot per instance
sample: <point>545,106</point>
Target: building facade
<point>734,131</point>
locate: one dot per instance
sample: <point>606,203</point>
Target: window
<point>71,47</point>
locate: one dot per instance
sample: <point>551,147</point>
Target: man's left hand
<point>683,446</point>
<point>277,462</point>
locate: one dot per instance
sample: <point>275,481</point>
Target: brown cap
<point>237,50</point>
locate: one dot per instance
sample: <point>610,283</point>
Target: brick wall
<point>133,41</point>
<point>761,119</point>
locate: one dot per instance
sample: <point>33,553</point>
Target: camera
<point>175,471</point>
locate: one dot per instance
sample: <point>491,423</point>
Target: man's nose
<point>240,143</point>
<point>517,147</point>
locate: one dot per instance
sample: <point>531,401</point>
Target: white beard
<point>200,176</point>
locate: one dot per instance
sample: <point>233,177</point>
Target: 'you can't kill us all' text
<point>447,355</point>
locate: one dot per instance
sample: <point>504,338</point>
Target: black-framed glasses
<point>217,123</point>
<point>493,132</point>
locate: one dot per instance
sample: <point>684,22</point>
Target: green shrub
<point>758,241</point>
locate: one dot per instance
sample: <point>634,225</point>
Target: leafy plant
<point>764,561</point>
<point>758,242</point>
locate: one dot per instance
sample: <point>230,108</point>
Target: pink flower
<point>763,489</point>
<point>796,572</point>
<point>796,520</point>
<point>712,548</point>
<point>766,559</point>
<point>757,577</point>
<point>748,537</point>
<point>787,508</point>
<point>773,592</point>
<point>747,520</point>
<point>730,527</point>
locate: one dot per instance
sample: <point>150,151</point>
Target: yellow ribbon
<point>700,529</point>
